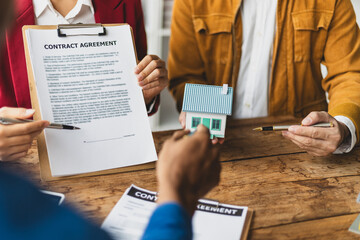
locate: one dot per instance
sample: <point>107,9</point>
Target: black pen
<point>4,120</point>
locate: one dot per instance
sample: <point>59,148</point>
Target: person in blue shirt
<point>188,167</point>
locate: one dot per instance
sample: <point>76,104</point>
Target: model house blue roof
<point>207,99</point>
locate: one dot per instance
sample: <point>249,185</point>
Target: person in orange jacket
<point>270,53</point>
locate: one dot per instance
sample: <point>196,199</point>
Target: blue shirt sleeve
<point>27,214</point>
<point>169,221</point>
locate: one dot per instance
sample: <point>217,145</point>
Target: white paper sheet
<point>89,82</point>
<point>130,216</point>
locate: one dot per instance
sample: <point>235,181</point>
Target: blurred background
<point>157,21</point>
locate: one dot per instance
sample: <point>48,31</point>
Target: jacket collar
<point>22,7</point>
<point>40,6</point>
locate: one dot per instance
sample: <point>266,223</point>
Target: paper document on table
<point>130,216</point>
<point>89,82</point>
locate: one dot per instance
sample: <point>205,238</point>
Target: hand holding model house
<point>208,105</point>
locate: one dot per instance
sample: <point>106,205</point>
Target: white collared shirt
<point>46,14</point>
<point>252,90</point>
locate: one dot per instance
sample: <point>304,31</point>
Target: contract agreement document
<point>211,221</point>
<point>88,81</point>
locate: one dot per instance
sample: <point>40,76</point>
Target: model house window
<point>195,122</point>
<point>216,124</point>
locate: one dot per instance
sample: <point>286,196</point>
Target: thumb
<point>315,117</point>
<point>201,129</point>
<point>16,112</point>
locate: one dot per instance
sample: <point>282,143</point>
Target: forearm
<point>342,59</point>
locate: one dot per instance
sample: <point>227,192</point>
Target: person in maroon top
<point>15,140</point>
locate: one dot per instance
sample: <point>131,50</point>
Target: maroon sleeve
<point>140,39</point>
<point>7,95</point>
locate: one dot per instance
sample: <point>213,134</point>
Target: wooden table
<point>294,195</point>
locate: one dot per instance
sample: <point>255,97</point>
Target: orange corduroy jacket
<point>205,48</point>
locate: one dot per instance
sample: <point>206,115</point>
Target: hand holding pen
<point>319,134</point>
<point>9,121</point>
<point>17,132</point>
<point>16,139</point>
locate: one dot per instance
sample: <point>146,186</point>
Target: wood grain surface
<point>294,195</point>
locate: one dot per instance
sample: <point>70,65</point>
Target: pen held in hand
<point>4,120</point>
<point>285,127</point>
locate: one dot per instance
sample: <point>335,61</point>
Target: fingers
<point>182,119</point>
<point>218,140</point>
<point>145,62</point>
<point>15,140</point>
<point>150,85</point>
<point>160,83</point>
<point>317,141</point>
<point>311,150</point>
<point>16,112</point>
<point>16,156</point>
<point>202,131</point>
<point>180,134</point>
<point>305,141</point>
<point>23,128</point>
<point>316,117</point>
<point>18,149</point>
<point>202,140</point>
<point>311,132</point>
<point>317,146</point>
<point>154,79</point>
<point>149,69</point>
<point>20,140</point>
<point>152,76</point>
<point>14,152</point>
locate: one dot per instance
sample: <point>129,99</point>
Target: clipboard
<point>45,171</point>
<point>247,223</point>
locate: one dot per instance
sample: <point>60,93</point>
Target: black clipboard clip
<point>75,26</point>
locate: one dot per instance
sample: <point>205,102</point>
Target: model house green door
<point>206,122</point>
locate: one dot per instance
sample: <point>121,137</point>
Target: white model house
<point>209,105</point>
